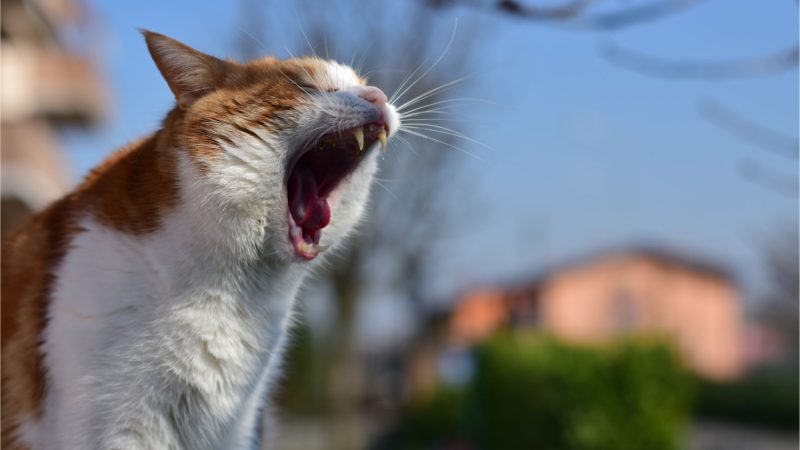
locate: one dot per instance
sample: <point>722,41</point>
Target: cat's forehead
<point>326,75</point>
<point>335,75</point>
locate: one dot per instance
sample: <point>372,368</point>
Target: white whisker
<point>405,141</point>
<point>429,93</point>
<point>425,136</point>
<point>448,131</point>
<point>435,63</point>
<point>444,102</point>
<point>385,188</point>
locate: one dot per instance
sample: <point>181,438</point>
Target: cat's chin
<point>320,169</point>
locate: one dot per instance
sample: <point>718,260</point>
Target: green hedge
<point>436,421</point>
<point>767,399</point>
<point>534,392</point>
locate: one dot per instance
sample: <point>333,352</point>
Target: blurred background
<point>585,237</point>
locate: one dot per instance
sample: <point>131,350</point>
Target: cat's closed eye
<point>311,87</point>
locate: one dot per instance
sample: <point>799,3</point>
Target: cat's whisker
<point>425,136</point>
<point>371,71</point>
<point>424,120</point>
<point>421,114</point>
<point>407,144</point>
<point>264,48</point>
<point>444,102</point>
<point>407,79</point>
<point>389,180</point>
<point>401,139</point>
<point>430,93</point>
<point>358,64</point>
<point>305,36</point>
<point>444,110</point>
<point>401,89</point>
<point>435,63</point>
<point>352,60</point>
<point>385,188</point>
<point>448,131</point>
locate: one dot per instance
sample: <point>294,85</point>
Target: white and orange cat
<point>148,309</point>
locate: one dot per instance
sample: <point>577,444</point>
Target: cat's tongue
<point>309,211</point>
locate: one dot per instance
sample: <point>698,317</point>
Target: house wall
<point>633,294</point>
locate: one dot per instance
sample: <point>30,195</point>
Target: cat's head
<point>291,143</point>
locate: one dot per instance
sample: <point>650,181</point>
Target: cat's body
<point>149,308</point>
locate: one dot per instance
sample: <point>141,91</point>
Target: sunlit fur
<point>149,307</point>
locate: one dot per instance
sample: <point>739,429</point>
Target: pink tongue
<point>309,211</point>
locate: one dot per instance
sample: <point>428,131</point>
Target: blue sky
<point>587,155</point>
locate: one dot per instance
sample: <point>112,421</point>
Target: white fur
<point>170,340</point>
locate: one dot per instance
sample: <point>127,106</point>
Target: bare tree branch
<point>567,10</point>
<point>572,14</point>
<point>635,15</point>
<point>701,69</point>
<point>748,131</point>
<point>763,176</point>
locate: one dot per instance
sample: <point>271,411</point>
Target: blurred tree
<point>780,308</point>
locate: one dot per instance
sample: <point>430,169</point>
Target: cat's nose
<point>371,94</point>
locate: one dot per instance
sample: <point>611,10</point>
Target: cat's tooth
<point>359,134</point>
<point>382,138</point>
<point>312,249</point>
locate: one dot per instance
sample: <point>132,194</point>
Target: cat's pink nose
<point>371,94</point>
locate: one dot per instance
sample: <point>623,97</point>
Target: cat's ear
<point>189,73</point>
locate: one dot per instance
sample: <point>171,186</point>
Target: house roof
<point>669,256</point>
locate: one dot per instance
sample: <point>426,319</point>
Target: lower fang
<point>312,249</point>
<point>382,139</point>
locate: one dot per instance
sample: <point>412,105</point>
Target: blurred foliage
<point>533,391</point>
<point>438,420</point>
<point>303,384</point>
<point>539,391</point>
<point>767,399</point>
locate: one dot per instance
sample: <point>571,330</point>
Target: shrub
<point>766,399</point>
<point>436,421</point>
<point>534,392</point>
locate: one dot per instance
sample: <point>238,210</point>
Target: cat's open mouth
<point>323,165</point>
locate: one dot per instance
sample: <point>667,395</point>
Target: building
<point>47,83</point>
<point>615,294</point>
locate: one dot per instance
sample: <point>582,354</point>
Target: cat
<point>148,308</point>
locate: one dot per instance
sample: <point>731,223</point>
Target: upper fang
<point>359,134</point>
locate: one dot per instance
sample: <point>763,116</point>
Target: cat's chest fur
<point>196,329</point>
